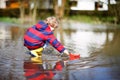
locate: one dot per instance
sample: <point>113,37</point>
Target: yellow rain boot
<point>36,60</point>
<point>37,52</point>
<point>38,55</point>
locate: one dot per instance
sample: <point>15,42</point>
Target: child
<point>36,37</point>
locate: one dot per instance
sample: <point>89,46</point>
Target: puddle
<point>98,47</point>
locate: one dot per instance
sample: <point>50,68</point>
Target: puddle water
<point>98,46</point>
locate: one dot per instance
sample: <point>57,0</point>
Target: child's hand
<point>66,52</point>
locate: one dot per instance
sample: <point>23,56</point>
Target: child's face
<point>54,25</point>
<point>52,28</point>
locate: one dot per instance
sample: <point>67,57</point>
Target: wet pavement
<point>98,46</point>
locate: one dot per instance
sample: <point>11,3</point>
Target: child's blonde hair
<point>52,20</point>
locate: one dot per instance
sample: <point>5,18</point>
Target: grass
<point>9,20</point>
<point>92,19</point>
<point>80,18</point>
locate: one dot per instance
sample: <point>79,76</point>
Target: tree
<point>22,11</point>
<point>108,4</point>
<point>35,10</point>
<point>59,8</point>
<point>117,12</point>
<point>114,10</point>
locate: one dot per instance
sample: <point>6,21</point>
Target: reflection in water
<point>102,44</point>
<point>98,46</point>
<point>8,34</point>
<point>36,71</point>
<point>87,42</point>
<point>15,32</point>
<point>4,36</point>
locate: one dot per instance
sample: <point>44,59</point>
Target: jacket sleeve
<point>55,43</point>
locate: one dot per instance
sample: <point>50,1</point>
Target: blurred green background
<point>30,11</point>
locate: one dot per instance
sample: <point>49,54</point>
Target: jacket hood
<point>43,27</point>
